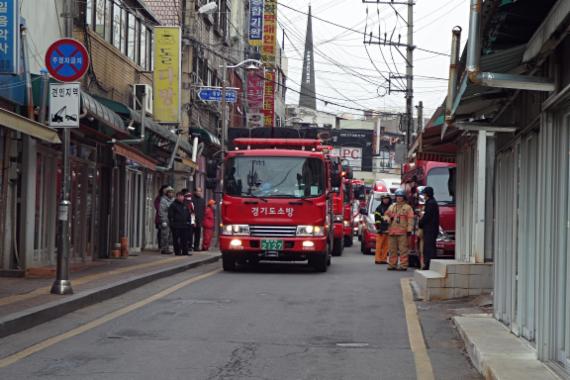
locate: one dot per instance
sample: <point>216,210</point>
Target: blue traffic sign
<point>67,60</point>
<point>214,94</point>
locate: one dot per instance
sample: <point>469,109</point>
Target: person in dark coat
<point>157,212</point>
<point>188,202</point>
<point>429,222</point>
<point>199,210</point>
<point>179,218</point>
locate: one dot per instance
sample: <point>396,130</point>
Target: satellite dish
<point>209,8</point>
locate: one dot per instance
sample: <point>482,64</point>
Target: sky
<point>350,73</point>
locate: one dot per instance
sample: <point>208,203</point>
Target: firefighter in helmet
<point>400,215</point>
<point>382,225</point>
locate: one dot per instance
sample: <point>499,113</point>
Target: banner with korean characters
<point>9,37</point>
<point>256,22</point>
<point>255,86</point>
<point>269,32</point>
<point>166,77</point>
<point>269,99</point>
<point>64,105</point>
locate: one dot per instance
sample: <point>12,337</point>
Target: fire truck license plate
<point>272,245</point>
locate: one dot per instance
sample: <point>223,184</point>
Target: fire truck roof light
<point>255,142</point>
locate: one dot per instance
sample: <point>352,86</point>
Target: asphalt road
<point>277,321</point>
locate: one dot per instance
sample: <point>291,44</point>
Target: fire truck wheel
<point>348,241</point>
<point>319,262</point>
<point>228,262</point>
<point>338,247</point>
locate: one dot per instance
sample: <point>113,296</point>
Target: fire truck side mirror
<point>336,179</point>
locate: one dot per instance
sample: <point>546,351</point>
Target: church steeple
<point>308,92</point>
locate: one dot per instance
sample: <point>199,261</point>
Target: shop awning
<point>205,136</point>
<point>160,130</point>
<point>134,155</point>
<point>29,127</point>
<point>102,113</point>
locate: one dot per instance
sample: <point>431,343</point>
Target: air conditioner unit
<point>139,90</point>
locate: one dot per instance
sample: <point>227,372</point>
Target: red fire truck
<point>278,202</point>
<point>348,221</point>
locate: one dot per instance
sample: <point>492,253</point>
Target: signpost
<point>67,60</point>
<point>214,94</point>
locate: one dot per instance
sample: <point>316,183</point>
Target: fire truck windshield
<point>277,177</point>
<point>441,180</point>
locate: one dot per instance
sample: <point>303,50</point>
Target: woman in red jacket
<point>208,225</point>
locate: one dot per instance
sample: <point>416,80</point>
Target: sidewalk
<point>27,302</point>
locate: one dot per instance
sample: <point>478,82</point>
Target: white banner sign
<point>351,155</point>
<point>64,105</point>
<point>255,120</point>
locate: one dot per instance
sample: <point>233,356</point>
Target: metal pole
<point>45,94</point>
<point>62,285</point>
<point>224,114</point>
<point>420,117</point>
<point>410,73</point>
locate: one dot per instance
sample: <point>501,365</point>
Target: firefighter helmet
<point>400,193</point>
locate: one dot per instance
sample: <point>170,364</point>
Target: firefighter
<point>381,256</point>
<point>429,223</point>
<point>401,218</point>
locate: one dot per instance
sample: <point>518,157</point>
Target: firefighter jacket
<point>381,224</point>
<point>401,217</point>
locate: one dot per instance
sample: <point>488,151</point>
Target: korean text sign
<point>255,22</point>
<point>269,99</point>
<point>166,77</point>
<point>9,37</point>
<point>269,32</point>
<point>255,90</point>
<point>64,105</point>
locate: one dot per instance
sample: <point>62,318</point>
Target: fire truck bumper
<point>279,249</point>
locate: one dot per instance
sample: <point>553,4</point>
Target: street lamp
<point>208,8</point>
<point>253,64</point>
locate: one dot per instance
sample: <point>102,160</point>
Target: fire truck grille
<point>279,231</point>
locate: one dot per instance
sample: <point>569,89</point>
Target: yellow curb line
<point>84,279</point>
<point>9,360</point>
<point>424,369</point>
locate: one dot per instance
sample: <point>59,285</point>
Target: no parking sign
<point>67,60</point>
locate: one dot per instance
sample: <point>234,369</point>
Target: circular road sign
<point>67,60</point>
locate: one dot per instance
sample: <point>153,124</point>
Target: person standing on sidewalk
<point>179,218</point>
<point>429,223</point>
<point>199,210</point>
<point>192,225</point>
<point>381,256</point>
<point>165,235</point>
<point>157,212</point>
<point>208,224</point>
<point>401,218</point>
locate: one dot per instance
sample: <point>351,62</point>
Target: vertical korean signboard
<point>9,37</point>
<point>269,99</point>
<point>268,57</point>
<point>166,77</point>
<point>255,84</point>
<point>255,22</point>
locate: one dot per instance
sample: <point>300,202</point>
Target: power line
<point>358,31</point>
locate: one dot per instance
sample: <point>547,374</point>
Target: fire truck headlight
<point>235,243</point>
<point>236,230</point>
<point>310,231</point>
<point>346,223</point>
<point>338,218</point>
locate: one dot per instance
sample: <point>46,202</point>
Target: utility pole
<point>62,285</point>
<point>420,117</point>
<point>409,91</point>
<point>410,73</point>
